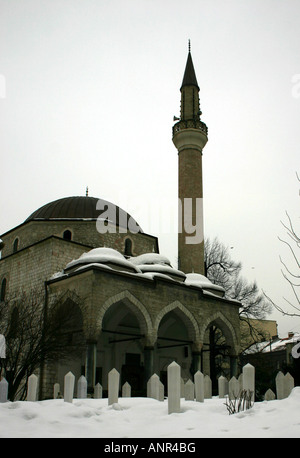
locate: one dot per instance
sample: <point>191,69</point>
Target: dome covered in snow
<point>155,264</point>
<point>198,280</point>
<point>102,257</point>
<point>150,258</point>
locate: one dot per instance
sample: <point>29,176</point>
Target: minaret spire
<point>190,137</point>
<point>189,77</point>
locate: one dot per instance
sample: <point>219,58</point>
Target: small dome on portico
<point>198,280</point>
<point>157,264</point>
<point>102,257</point>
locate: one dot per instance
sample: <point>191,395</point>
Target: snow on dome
<point>150,258</point>
<point>103,255</point>
<point>155,263</point>
<point>198,280</point>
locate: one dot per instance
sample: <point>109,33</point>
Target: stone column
<point>148,363</point>
<point>196,362</point>
<point>233,366</point>
<point>90,365</point>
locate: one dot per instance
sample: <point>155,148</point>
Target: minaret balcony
<point>190,134</point>
<point>190,124</point>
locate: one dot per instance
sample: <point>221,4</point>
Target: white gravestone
<point>126,390</point>
<point>207,387</point>
<point>161,391</point>
<point>249,380</point>
<point>280,385</point>
<point>189,391</point>
<point>82,387</point>
<point>234,388</point>
<point>32,388</point>
<point>269,395</point>
<point>153,388</point>
<point>69,382</point>
<point>289,384</point>
<point>199,386</point>
<point>98,391</point>
<point>56,390</point>
<point>3,390</point>
<point>174,384</point>
<point>113,386</point>
<point>222,386</point>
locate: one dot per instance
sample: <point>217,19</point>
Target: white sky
<point>88,91</point>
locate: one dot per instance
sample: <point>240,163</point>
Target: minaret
<point>190,137</point>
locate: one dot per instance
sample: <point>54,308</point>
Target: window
<point>128,247</point>
<point>14,323</point>
<point>16,245</point>
<point>67,235</point>
<point>3,290</point>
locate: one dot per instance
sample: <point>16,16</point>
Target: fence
<point>197,389</point>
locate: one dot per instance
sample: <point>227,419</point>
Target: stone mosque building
<point>135,312</point>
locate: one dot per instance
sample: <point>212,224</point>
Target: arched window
<point>16,245</point>
<point>14,323</point>
<point>67,235</point>
<point>128,247</point>
<point>3,290</point>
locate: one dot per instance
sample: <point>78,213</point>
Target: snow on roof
<point>150,258</point>
<point>198,280</point>
<point>276,344</point>
<point>102,255</point>
<point>158,264</point>
<point>149,265</point>
<point>163,270</point>
<point>152,275</point>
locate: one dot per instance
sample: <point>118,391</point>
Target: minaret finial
<point>87,192</point>
<point>189,45</point>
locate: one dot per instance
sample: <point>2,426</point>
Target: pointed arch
<point>185,315</point>
<point>134,304</point>
<point>224,324</point>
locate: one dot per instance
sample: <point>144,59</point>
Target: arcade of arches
<point>140,330</point>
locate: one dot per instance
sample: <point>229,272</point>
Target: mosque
<point>134,311</point>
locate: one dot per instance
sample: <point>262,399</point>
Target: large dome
<point>82,207</point>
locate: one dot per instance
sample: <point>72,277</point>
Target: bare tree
<point>37,333</point>
<point>222,270</point>
<point>291,273</point>
<point>219,267</point>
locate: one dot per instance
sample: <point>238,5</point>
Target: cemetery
<point>197,390</point>
<point>184,399</point>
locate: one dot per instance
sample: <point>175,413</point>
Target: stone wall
<point>83,231</point>
<point>151,300</point>
<point>29,268</point>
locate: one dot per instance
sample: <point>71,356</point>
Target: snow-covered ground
<point>148,418</point>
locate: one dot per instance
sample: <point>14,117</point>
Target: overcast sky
<point>88,91</point>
